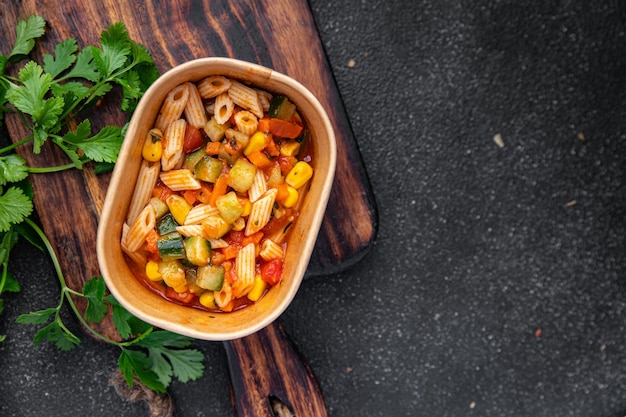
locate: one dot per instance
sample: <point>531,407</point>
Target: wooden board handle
<point>266,370</point>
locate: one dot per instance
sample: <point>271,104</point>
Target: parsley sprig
<point>49,98</point>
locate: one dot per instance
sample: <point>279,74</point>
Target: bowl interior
<point>196,323</point>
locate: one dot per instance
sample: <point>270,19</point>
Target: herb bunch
<point>49,98</point>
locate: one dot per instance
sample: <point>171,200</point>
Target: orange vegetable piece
<point>190,196</point>
<point>219,189</point>
<point>212,148</point>
<point>263,125</point>
<point>260,160</point>
<point>284,129</point>
<point>203,195</point>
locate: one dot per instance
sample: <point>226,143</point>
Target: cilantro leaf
<point>55,333</point>
<point>27,31</point>
<point>70,91</point>
<point>115,44</point>
<point>64,57</point>
<point>102,147</point>
<point>37,317</point>
<point>13,168</point>
<point>125,323</point>
<point>11,284</point>
<point>134,362</point>
<point>94,290</point>
<point>185,364</point>
<point>15,206</point>
<point>84,66</point>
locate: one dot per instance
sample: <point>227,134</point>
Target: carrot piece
<point>260,160</point>
<point>231,251</point>
<point>151,241</point>
<point>190,196</point>
<point>203,195</point>
<point>253,238</point>
<point>212,148</point>
<point>283,192</point>
<point>284,129</point>
<point>263,125</point>
<point>271,148</point>
<point>219,188</point>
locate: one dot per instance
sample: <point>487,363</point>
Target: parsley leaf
<point>115,48</point>
<point>64,57</point>
<point>93,291</point>
<point>102,147</point>
<point>57,334</point>
<point>134,362</point>
<point>15,206</point>
<point>37,317</point>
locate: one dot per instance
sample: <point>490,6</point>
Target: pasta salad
<point>224,171</point>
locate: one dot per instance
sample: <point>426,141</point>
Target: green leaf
<point>70,91</point>
<point>94,290</point>
<point>64,57</point>
<point>27,31</point>
<point>11,284</point>
<point>125,323</point>
<point>54,333</point>
<point>115,45</point>
<point>15,206</point>
<point>13,168</point>
<point>133,362</point>
<point>105,145</point>
<point>37,317</point>
<point>84,66</point>
<point>27,98</point>
<point>186,364</point>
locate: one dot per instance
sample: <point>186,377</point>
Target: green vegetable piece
<point>166,224</point>
<point>171,247</point>
<point>198,250</point>
<point>229,206</point>
<point>208,169</point>
<point>281,108</point>
<point>210,277</point>
<point>192,159</point>
<point>241,175</point>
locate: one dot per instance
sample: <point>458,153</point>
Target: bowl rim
<point>157,92</point>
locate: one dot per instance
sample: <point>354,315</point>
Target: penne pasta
<point>146,180</point>
<point>173,106</point>
<point>261,212</point>
<point>135,238</point>
<point>213,86</point>
<point>180,180</point>
<point>224,296</point>
<point>246,122</point>
<point>265,98</point>
<point>245,270</point>
<point>245,97</point>
<point>195,114</point>
<point>199,213</point>
<point>259,186</point>
<point>173,149</point>
<point>223,109</point>
<point>190,230</point>
<point>271,250</point>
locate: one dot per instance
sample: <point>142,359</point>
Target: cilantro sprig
<point>50,98</point>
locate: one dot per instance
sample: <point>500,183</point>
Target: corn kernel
<point>152,146</point>
<point>299,175</point>
<point>247,206</point>
<point>290,148</point>
<point>257,142</point>
<point>207,299</point>
<point>258,289</point>
<point>152,271</point>
<point>179,207</point>
<point>292,197</point>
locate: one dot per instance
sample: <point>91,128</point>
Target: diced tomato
<point>286,163</point>
<point>193,139</point>
<point>253,238</point>
<point>231,251</point>
<point>183,297</point>
<point>264,125</point>
<point>162,191</point>
<point>190,196</point>
<point>272,271</point>
<point>271,148</point>
<point>151,241</point>
<point>234,236</point>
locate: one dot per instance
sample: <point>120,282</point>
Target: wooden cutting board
<point>278,34</point>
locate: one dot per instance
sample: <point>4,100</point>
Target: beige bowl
<point>196,323</point>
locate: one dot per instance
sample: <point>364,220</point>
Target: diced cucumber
<point>208,169</point>
<point>198,250</point>
<point>281,108</point>
<point>166,224</point>
<point>171,247</point>
<point>210,277</point>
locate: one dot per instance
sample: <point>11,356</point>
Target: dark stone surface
<point>496,286</point>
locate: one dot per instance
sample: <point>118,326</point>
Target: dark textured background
<point>497,284</point>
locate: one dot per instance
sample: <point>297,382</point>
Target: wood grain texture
<point>267,366</point>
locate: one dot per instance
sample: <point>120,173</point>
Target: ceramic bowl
<point>196,323</point>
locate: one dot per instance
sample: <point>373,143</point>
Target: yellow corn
<point>258,289</point>
<point>257,142</point>
<point>152,146</point>
<point>292,197</point>
<point>152,271</point>
<point>290,148</point>
<point>207,299</point>
<point>179,207</point>
<point>247,206</point>
<point>299,175</point>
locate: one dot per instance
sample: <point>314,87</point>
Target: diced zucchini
<point>159,206</point>
<point>171,247</point>
<point>241,175</point>
<point>210,277</point>
<point>166,224</point>
<point>208,169</point>
<point>281,108</point>
<point>229,206</point>
<point>192,159</point>
<point>198,250</point>
<point>214,130</point>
